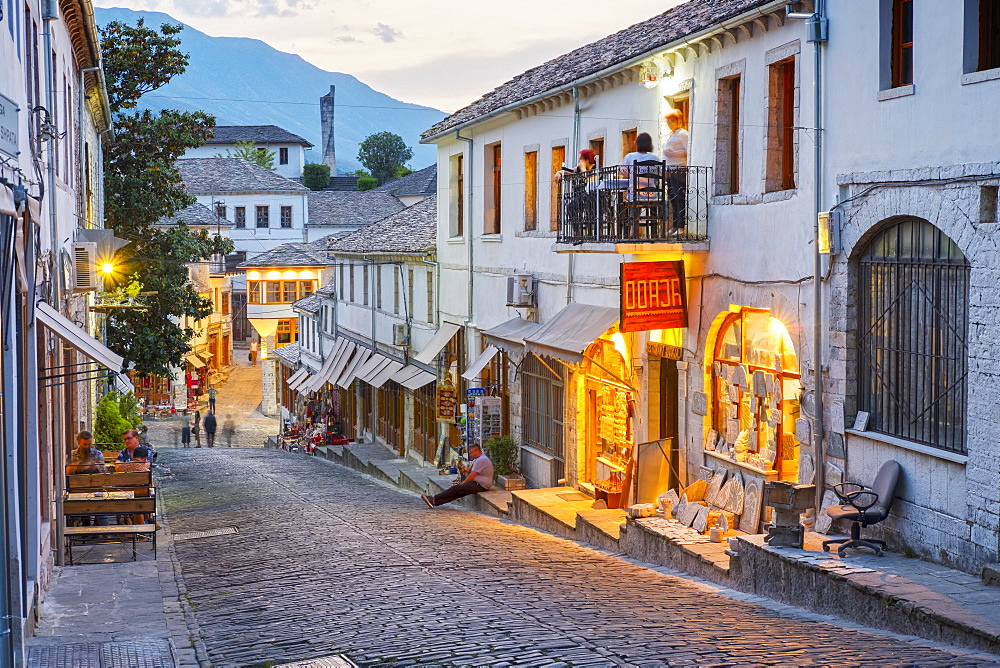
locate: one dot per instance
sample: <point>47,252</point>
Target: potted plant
<point>505,453</point>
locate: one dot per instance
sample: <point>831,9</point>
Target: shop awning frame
<point>78,338</point>
<point>343,353</point>
<point>297,377</point>
<point>568,334</point>
<point>413,377</point>
<point>437,343</point>
<point>361,356</point>
<point>194,361</point>
<point>480,363</point>
<point>372,367</point>
<point>509,335</point>
<point>386,373</point>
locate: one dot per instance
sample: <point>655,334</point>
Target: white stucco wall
<point>291,170</point>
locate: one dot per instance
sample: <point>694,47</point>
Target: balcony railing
<point>641,203</point>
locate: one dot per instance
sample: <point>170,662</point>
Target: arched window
<point>913,303</point>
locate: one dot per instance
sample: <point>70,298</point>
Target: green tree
<point>316,176</point>
<point>383,154</point>
<point>109,423</point>
<point>367,183</point>
<point>142,186</point>
<point>249,151</point>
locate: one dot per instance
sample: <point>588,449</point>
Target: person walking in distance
<point>211,400</point>
<point>480,479</point>
<point>253,352</point>
<point>196,429</point>
<point>210,426</point>
<point>186,433</point>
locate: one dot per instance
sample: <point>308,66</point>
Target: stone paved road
<point>328,561</point>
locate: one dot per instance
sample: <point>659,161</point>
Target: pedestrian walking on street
<point>195,429</point>
<point>480,479</point>
<point>186,433</point>
<point>253,352</point>
<point>211,400</point>
<point>210,429</point>
<point>229,429</point>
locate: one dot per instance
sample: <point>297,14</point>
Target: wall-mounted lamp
<point>827,232</point>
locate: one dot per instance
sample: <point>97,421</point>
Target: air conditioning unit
<point>521,290</point>
<point>85,266</point>
<point>400,334</point>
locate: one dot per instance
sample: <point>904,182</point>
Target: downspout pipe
<point>571,257</point>
<point>817,30</point>
<point>467,224</point>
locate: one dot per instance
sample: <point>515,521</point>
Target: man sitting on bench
<point>480,479</point>
<point>85,458</point>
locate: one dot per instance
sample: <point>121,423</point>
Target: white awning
<point>437,342</point>
<point>413,377</point>
<point>480,362</point>
<point>7,207</point>
<point>77,337</point>
<point>297,378</point>
<point>304,386</point>
<point>372,367</point>
<point>510,335</point>
<point>123,384</point>
<point>194,361</point>
<point>386,373</point>
<point>361,356</point>
<point>568,334</point>
<point>343,356</point>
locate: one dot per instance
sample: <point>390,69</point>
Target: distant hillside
<point>246,82</point>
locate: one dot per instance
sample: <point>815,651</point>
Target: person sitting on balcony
<point>675,154</point>
<point>643,153</point>
<point>588,162</point>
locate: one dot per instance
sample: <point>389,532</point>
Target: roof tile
<point>412,230</point>
<point>260,134</point>
<point>220,175</point>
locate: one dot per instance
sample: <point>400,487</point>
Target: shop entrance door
<point>668,418</point>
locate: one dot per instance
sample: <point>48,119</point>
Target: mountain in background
<point>246,82</point>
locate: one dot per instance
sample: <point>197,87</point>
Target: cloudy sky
<point>442,53</point>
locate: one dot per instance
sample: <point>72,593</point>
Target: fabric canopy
<point>77,337</point>
<point>372,367</point>
<point>568,334</point>
<point>480,362</point>
<point>305,386</point>
<point>361,355</point>
<point>123,384</point>
<point>387,372</point>
<point>437,342</point>
<point>510,335</point>
<point>342,356</point>
<point>413,377</point>
<point>7,207</point>
<point>297,377</point>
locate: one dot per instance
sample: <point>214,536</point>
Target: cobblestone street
<point>328,561</point>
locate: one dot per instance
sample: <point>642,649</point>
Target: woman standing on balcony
<point>675,154</point>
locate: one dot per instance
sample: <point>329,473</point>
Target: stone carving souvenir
<point>690,512</point>
<point>777,363</point>
<point>731,495</point>
<point>696,490</point>
<point>807,469</point>
<point>835,445</point>
<point>803,431</point>
<point>711,438</point>
<point>740,446</point>
<point>723,523</point>
<point>753,404</point>
<point>723,370</point>
<point>738,377</point>
<point>750,520</point>
<point>733,392</point>
<point>681,505</point>
<point>824,521</point>
<point>759,383</point>
<point>774,416</point>
<point>666,506</point>
<point>722,448</point>
<point>714,485</point>
<point>732,430</point>
<point>700,523</point>
<point>672,497</point>
<point>834,474</point>
<point>704,474</point>
<point>717,370</point>
<point>699,403</point>
<point>731,411</point>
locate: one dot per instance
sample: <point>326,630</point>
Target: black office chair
<point>864,506</point>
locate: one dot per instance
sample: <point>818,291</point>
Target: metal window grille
<point>286,216</point>
<point>240,216</point>
<point>263,216</point>
<point>542,404</point>
<point>913,285</point>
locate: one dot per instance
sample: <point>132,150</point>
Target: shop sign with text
<point>653,296</point>
<point>447,402</point>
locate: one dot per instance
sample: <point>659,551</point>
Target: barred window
<point>286,216</point>
<point>240,216</point>
<point>263,216</point>
<point>913,289</point>
<point>542,405</point>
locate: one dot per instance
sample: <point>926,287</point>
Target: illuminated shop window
<point>755,394</point>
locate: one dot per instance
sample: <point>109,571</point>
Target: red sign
<point>653,296</point>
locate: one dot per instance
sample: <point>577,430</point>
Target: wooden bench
<point>85,495</point>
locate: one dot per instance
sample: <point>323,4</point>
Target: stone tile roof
<point>422,182</point>
<point>412,230</point>
<point>328,290</point>
<point>310,304</point>
<point>196,215</point>
<point>350,208</point>
<point>289,354</point>
<point>260,134</point>
<point>220,175</point>
<point>293,254</point>
<point>623,46</point>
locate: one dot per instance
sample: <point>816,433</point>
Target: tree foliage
<point>109,423</point>
<point>142,186</point>
<point>249,151</point>
<point>383,153</point>
<point>316,176</point>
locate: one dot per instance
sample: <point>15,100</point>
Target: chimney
<point>326,120</point>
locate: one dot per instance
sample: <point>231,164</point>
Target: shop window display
<point>609,430</point>
<point>755,386</point>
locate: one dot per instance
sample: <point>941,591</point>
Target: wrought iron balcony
<point>642,203</point>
